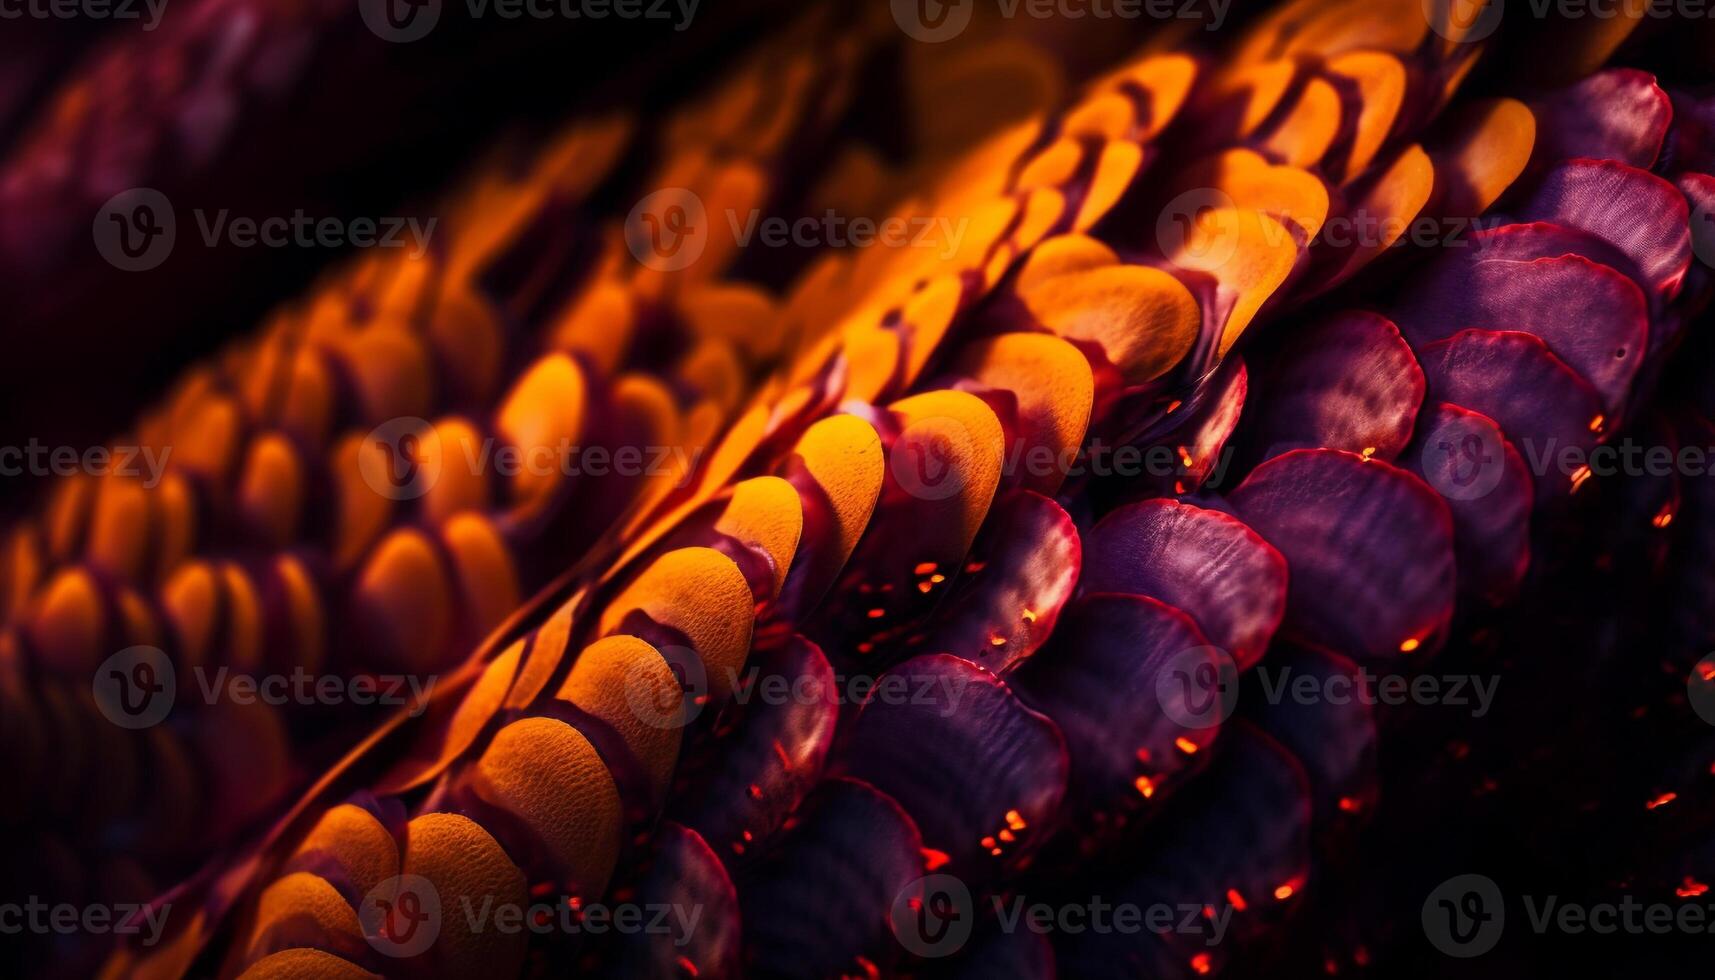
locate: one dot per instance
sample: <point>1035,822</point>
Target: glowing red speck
<point>755,791</point>
<point>934,859</point>
<point>1186,745</point>
<point>877,613</point>
<point>1235,899</point>
<point>1145,785</point>
<point>1202,963</point>
<point>1691,889</point>
<point>688,968</point>
<point>1662,800</point>
<point>1015,820</point>
<point>925,568</point>
<point>1283,893</point>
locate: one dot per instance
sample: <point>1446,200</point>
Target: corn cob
<point>895,538</point>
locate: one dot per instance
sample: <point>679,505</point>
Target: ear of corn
<point>866,509</point>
